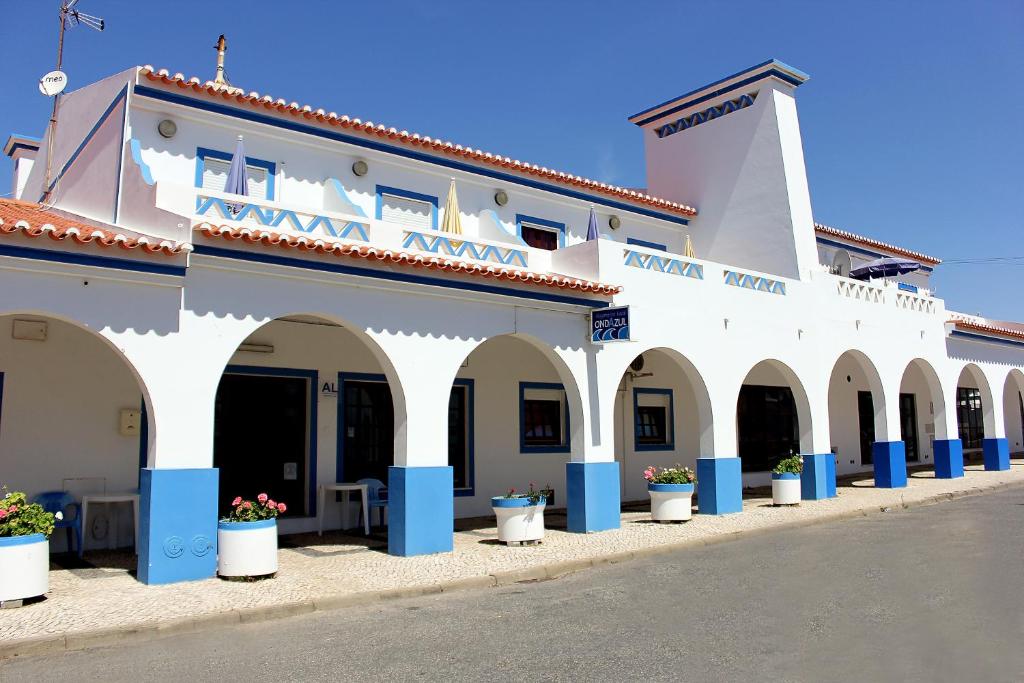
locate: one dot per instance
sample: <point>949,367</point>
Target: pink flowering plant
<point>669,475</point>
<point>264,507</point>
<point>18,517</point>
<point>534,494</point>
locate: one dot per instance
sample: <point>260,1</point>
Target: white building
<point>329,331</point>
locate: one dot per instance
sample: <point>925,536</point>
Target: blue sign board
<point>609,325</point>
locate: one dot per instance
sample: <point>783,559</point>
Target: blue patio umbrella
<point>592,233</point>
<point>884,267</point>
<point>237,182</point>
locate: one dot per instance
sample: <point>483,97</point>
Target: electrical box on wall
<point>131,422</point>
<point>29,330</point>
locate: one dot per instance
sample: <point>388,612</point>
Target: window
<point>212,173</point>
<point>539,233</point>
<point>408,209</point>
<point>460,436</point>
<point>644,243</point>
<point>767,424</point>
<point>970,417</point>
<point>543,418</point>
<point>653,420</point>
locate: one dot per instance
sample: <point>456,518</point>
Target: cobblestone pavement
<point>313,568</point>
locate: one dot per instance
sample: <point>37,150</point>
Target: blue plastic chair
<point>377,497</point>
<point>63,502</point>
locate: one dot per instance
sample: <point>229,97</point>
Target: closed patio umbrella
<point>237,181</point>
<point>452,223</point>
<point>688,249</point>
<point>884,267</point>
<point>592,232</point>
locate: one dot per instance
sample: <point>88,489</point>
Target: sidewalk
<point>105,604</point>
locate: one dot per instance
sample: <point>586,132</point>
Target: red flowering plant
<point>534,494</point>
<point>264,507</point>
<point>18,517</point>
<point>669,475</point>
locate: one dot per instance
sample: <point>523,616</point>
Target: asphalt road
<point>929,594</point>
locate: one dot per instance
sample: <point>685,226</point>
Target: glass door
<point>866,415</point>
<point>908,426</point>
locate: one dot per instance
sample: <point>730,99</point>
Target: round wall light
<point>501,198</point>
<point>360,168</point>
<point>167,128</point>
<point>614,223</point>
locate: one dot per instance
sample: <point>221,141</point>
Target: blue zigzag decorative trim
<point>663,264</point>
<point>456,247</point>
<point>741,102</point>
<point>272,218</point>
<point>755,282</point>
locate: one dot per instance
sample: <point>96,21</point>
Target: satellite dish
<point>841,263</point>
<point>53,83</point>
<point>638,363</point>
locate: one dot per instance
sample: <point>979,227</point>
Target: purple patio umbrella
<point>884,267</point>
<point>237,182</point>
<point>592,233</point>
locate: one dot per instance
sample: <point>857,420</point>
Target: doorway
<point>368,430</point>
<point>262,436</point>
<point>866,415</point>
<point>908,426</point>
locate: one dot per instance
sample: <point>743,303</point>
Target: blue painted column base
<point>592,496</point>
<point>949,458</point>
<point>818,480</point>
<point>890,458</point>
<point>421,510</point>
<point>997,454</point>
<point>719,486</point>
<point>177,525</point>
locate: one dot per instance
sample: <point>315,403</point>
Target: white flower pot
<point>247,548</point>
<point>24,566</point>
<point>671,502</point>
<point>518,519</point>
<point>786,489</point>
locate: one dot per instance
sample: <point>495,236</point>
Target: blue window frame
<point>540,223</point>
<point>203,153</point>
<point>540,429</point>
<point>644,243</point>
<point>654,423</point>
<point>405,194</point>
<point>311,429</point>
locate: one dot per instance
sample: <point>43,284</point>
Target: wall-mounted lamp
<point>360,168</point>
<point>167,128</point>
<point>614,223</point>
<point>501,198</point>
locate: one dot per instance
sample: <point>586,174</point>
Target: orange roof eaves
<point>867,241</point>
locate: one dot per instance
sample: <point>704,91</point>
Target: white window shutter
<point>215,177</point>
<point>411,213</point>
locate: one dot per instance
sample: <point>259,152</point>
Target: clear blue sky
<point>913,120</point>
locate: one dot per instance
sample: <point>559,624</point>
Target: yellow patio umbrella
<point>452,223</point>
<point>688,251</point>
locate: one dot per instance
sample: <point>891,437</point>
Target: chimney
<point>22,149</point>
<point>221,47</point>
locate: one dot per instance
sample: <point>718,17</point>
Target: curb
<point>136,633</point>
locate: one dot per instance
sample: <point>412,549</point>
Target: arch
<point>1013,409</point>
<point>852,375</point>
<point>917,372</point>
<point>774,373</point>
<point>288,364</point>
<point>972,377</point>
<point>669,385</point>
<point>73,407</point>
<point>508,372</point>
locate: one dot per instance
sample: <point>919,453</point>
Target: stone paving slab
<point>105,604</point>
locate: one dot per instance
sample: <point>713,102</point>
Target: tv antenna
<point>53,83</point>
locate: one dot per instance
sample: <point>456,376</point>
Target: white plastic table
<point>93,498</point>
<point>345,489</point>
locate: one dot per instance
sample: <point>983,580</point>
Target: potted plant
<point>247,538</point>
<point>25,530</point>
<point>671,491</point>
<point>521,515</point>
<point>786,481</point>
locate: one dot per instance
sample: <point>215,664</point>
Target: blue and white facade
<point>328,332</point>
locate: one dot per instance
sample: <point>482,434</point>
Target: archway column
<point>720,472</point>
<point>818,478</point>
<point>996,445</point>
<point>949,449</point>
<point>889,452</point>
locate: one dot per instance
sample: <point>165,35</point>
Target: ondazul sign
<point>609,325</point>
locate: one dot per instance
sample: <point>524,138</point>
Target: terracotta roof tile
<point>34,220</point>
<point>369,128</point>
<point>269,238</point>
<point>867,241</point>
<point>972,326</point>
